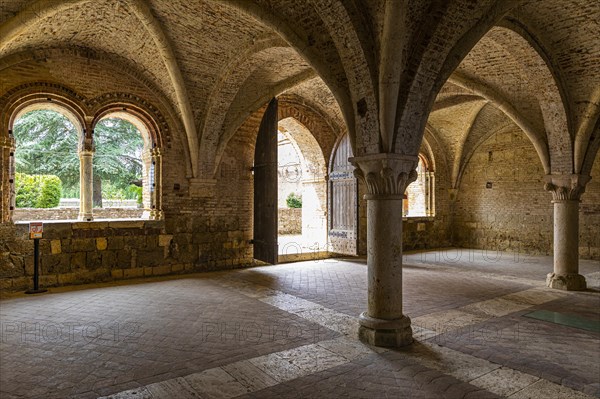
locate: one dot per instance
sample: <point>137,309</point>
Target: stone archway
<point>302,171</point>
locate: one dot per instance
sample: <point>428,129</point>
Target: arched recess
<point>343,200</point>
<point>124,72</point>
<point>336,54</point>
<point>318,123</point>
<point>31,14</point>
<point>151,155</point>
<point>14,104</point>
<point>509,67</point>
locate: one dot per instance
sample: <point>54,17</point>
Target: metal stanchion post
<point>36,269</point>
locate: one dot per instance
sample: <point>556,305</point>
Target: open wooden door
<point>343,201</point>
<point>265,187</point>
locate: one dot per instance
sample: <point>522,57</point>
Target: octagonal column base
<point>567,282</point>
<point>386,333</point>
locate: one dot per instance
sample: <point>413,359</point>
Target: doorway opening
<point>302,193</point>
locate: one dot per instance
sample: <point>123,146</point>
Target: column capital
<point>86,146</point>
<point>566,187</point>
<point>386,174</point>
<point>7,142</point>
<point>156,152</point>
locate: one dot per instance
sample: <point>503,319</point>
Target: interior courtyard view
<point>299,199</point>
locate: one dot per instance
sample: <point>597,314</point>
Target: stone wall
<point>86,252</point>
<point>515,213</point>
<point>290,221</point>
<point>72,213</point>
<point>203,229</point>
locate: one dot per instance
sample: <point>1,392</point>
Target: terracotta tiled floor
<point>290,331</point>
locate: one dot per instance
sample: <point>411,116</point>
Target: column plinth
<point>386,177</point>
<point>566,193</point>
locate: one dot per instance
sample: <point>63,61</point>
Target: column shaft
<point>566,237</point>
<point>384,243</point>
<point>566,192</point>
<point>86,176</point>
<point>386,177</point>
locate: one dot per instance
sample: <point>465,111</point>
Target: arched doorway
<point>343,201</point>
<point>302,191</point>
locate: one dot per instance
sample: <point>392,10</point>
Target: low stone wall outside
<point>22,214</point>
<point>290,221</point>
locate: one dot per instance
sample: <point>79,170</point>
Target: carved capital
<point>566,187</point>
<point>87,145</point>
<point>385,175</point>
<point>156,152</point>
<point>7,142</point>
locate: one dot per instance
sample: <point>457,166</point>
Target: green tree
<point>118,157</point>
<point>47,144</point>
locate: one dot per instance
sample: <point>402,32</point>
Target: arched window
<point>46,165</point>
<point>124,167</point>
<point>117,165</point>
<point>419,197</point>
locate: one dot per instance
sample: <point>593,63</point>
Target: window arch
<point>44,167</point>
<point>121,165</point>
<point>83,116</point>
<point>419,197</point>
<point>146,153</point>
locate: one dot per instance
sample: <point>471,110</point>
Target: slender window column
<point>7,165</point>
<point>86,178</point>
<point>386,177</point>
<point>155,180</point>
<point>566,194</point>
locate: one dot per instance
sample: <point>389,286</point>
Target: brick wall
<point>515,214</point>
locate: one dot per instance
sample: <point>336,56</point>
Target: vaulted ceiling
<point>477,65</point>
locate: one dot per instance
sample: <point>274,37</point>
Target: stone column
<point>7,176</point>
<point>566,193</point>
<point>155,183</point>
<point>86,180</point>
<point>386,177</point>
<point>430,193</point>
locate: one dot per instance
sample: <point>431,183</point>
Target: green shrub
<point>111,191</point>
<point>135,192</point>
<point>51,192</point>
<point>37,191</point>
<point>294,200</point>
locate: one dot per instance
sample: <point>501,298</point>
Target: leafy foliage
<point>136,192</point>
<point>47,144</point>
<point>37,191</point>
<point>118,156</point>
<point>294,200</point>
